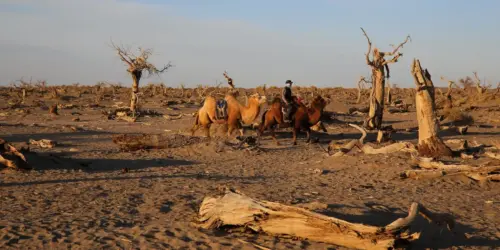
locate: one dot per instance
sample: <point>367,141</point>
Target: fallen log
<point>237,210</point>
<point>435,169</point>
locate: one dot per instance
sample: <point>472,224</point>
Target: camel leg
<point>273,134</point>
<point>296,130</point>
<point>230,128</point>
<point>308,132</point>
<point>241,129</point>
<point>207,130</point>
<point>195,127</point>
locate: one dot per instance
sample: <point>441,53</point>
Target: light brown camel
<point>236,113</point>
<point>304,118</point>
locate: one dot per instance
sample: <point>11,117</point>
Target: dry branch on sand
<point>237,210</point>
<point>435,169</point>
<point>43,143</point>
<point>367,149</point>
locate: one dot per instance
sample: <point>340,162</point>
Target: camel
<point>304,118</point>
<point>236,113</point>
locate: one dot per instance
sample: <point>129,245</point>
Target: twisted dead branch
<point>367,149</point>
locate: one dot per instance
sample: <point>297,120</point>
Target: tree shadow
<point>85,135</point>
<point>62,161</point>
<point>215,177</point>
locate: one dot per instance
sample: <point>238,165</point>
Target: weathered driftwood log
<point>237,210</point>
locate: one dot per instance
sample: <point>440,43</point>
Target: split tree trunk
<point>429,143</point>
<point>237,210</point>
<point>376,99</point>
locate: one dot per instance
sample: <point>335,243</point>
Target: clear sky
<point>315,42</point>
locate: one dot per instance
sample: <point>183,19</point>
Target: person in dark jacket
<point>286,96</point>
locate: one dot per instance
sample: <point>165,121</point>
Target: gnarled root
<point>237,210</point>
<point>433,147</point>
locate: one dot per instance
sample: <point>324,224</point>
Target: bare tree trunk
<point>359,95</point>
<point>429,143</point>
<point>136,77</point>
<point>376,112</point>
<point>389,95</point>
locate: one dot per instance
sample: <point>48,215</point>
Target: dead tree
<point>379,65</point>
<point>229,80</point>
<point>449,102</point>
<point>232,89</point>
<point>361,82</point>
<point>480,89</point>
<point>429,143</point>
<point>136,65</point>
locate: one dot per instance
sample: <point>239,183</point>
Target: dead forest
<point>112,165</point>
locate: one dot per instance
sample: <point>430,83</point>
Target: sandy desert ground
<point>85,193</point>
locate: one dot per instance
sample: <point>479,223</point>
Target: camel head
<point>319,103</point>
<point>257,98</point>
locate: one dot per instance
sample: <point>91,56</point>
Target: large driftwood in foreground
<point>237,210</point>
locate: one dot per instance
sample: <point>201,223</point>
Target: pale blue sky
<point>317,42</point>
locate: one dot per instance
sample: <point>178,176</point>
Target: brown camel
<point>236,113</point>
<point>304,118</point>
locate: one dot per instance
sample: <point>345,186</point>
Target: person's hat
<point>288,82</point>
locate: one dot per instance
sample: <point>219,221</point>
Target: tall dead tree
<point>429,142</point>
<point>136,66</point>
<point>379,65</point>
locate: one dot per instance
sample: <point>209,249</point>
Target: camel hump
<point>221,110</point>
